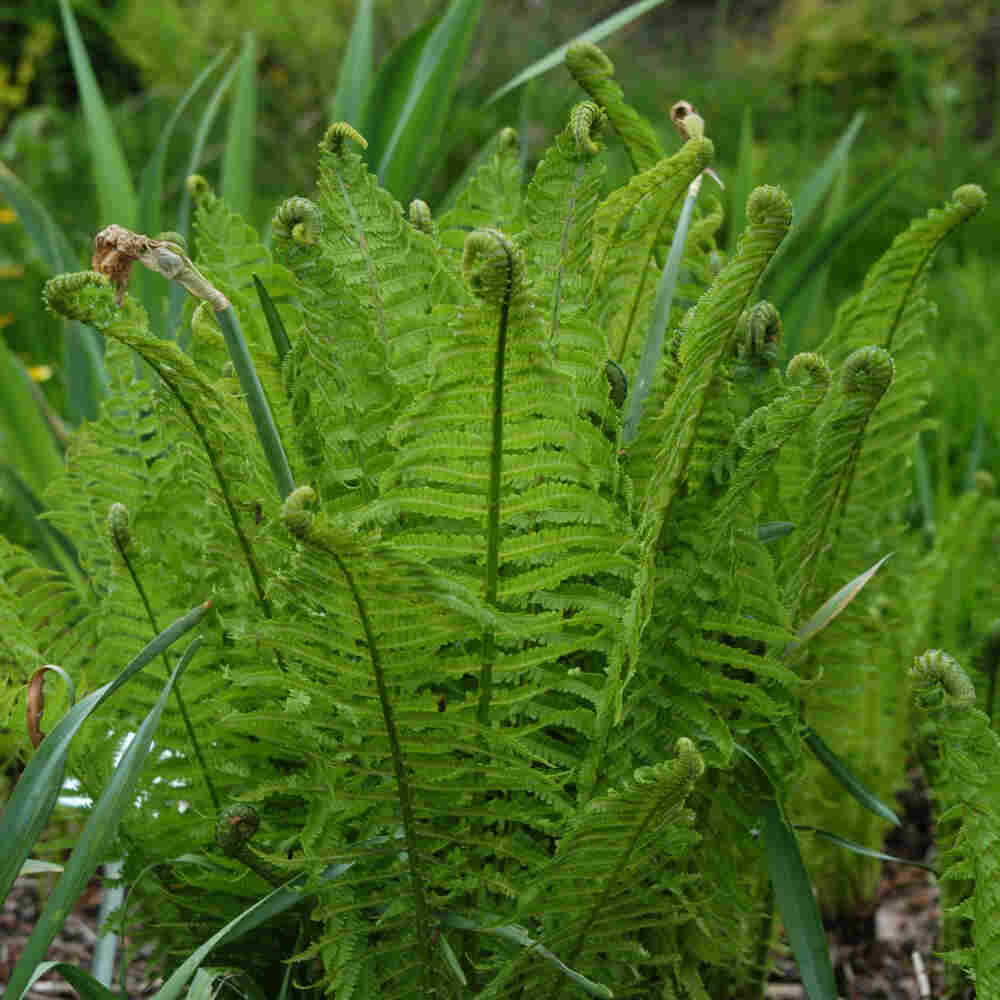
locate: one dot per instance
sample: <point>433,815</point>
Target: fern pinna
<point>519,686</point>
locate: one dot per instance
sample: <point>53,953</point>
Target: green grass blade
<point>832,607</point>
<point>84,984</point>
<point>55,548</point>
<point>796,903</point>
<point>151,198</point>
<point>393,82</point>
<point>183,224</point>
<point>773,530</point>
<point>653,347</point>
<point>28,444</point>
<point>48,238</point>
<point>96,837</point>
<point>35,794</point>
<point>428,103</point>
<point>152,182</point>
<point>203,985</point>
<point>741,185</point>
<point>356,71</point>
<point>236,185</point>
<point>282,344</point>
<point>808,200</point>
<point>83,370</point>
<point>816,188</point>
<point>595,34</point>
<point>868,852</point>
<point>847,777</point>
<point>83,361</point>
<point>115,193</point>
<point>793,280</point>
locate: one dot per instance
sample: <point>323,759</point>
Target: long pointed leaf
<point>183,224</point>
<point>356,75</point>
<point>847,777</point>
<point>868,852</point>
<point>832,607</point>
<point>39,787</point>
<point>797,904</point>
<point>428,103</point>
<point>151,185</point>
<point>85,984</point>
<point>98,832</point>
<point>236,185</point>
<point>115,192</point>
<point>388,94</point>
<point>793,279</point>
<point>595,34</point>
<point>808,200</point>
<point>49,239</point>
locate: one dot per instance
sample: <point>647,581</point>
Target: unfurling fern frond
<point>962,754</point>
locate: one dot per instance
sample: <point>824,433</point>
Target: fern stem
<point>298,520</point>
<point>223,487</point>
<point>120,544</point>
<point>496,463</point>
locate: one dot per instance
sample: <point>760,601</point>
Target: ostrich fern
<point>524,685</point>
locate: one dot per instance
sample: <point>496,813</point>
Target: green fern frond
<point>628,226</point>
<point>963,757</point>
<point>594,72</point>
<point>492,197</point>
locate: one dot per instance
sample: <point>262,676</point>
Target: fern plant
<point>511,696</point>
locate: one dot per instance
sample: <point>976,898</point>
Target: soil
<point>878,951</point>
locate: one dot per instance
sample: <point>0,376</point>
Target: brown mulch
<point>876,951</point>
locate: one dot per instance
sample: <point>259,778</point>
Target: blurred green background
<point>779,80</point>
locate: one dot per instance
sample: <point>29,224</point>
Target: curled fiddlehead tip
<point>809,365</point>
<point>118,526</point>
<point>760,334</point>
<point>970,196</point>
<point>766,202</point>
<point>939,679</point>
<point>687,121</point>
<point>586,59</point>
<point>618,381</point>
<point>84,296</point>
<point>333,141</point>
<point>692,762</point>
<point>586,121</point>
<point>294,515</point>
<point>235,826</point>
<point>491,265</point>
<point>198,187</point>
<point>867,373</point>
<point>298,219</point>
<point>510,141</point>
<point>420,216</point>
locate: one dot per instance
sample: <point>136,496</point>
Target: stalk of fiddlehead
<point>489,263</point>
<point>120,531</point>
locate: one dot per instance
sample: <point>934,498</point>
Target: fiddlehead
<point>594,72</point>
<point>864,379</point>
<point>234,829</point>
<point>939,680</point>
<point>298,219</point>
<point>337,134</point>
<point>421,218</point>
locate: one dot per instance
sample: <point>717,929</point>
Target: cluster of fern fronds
<point>527,687</point>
